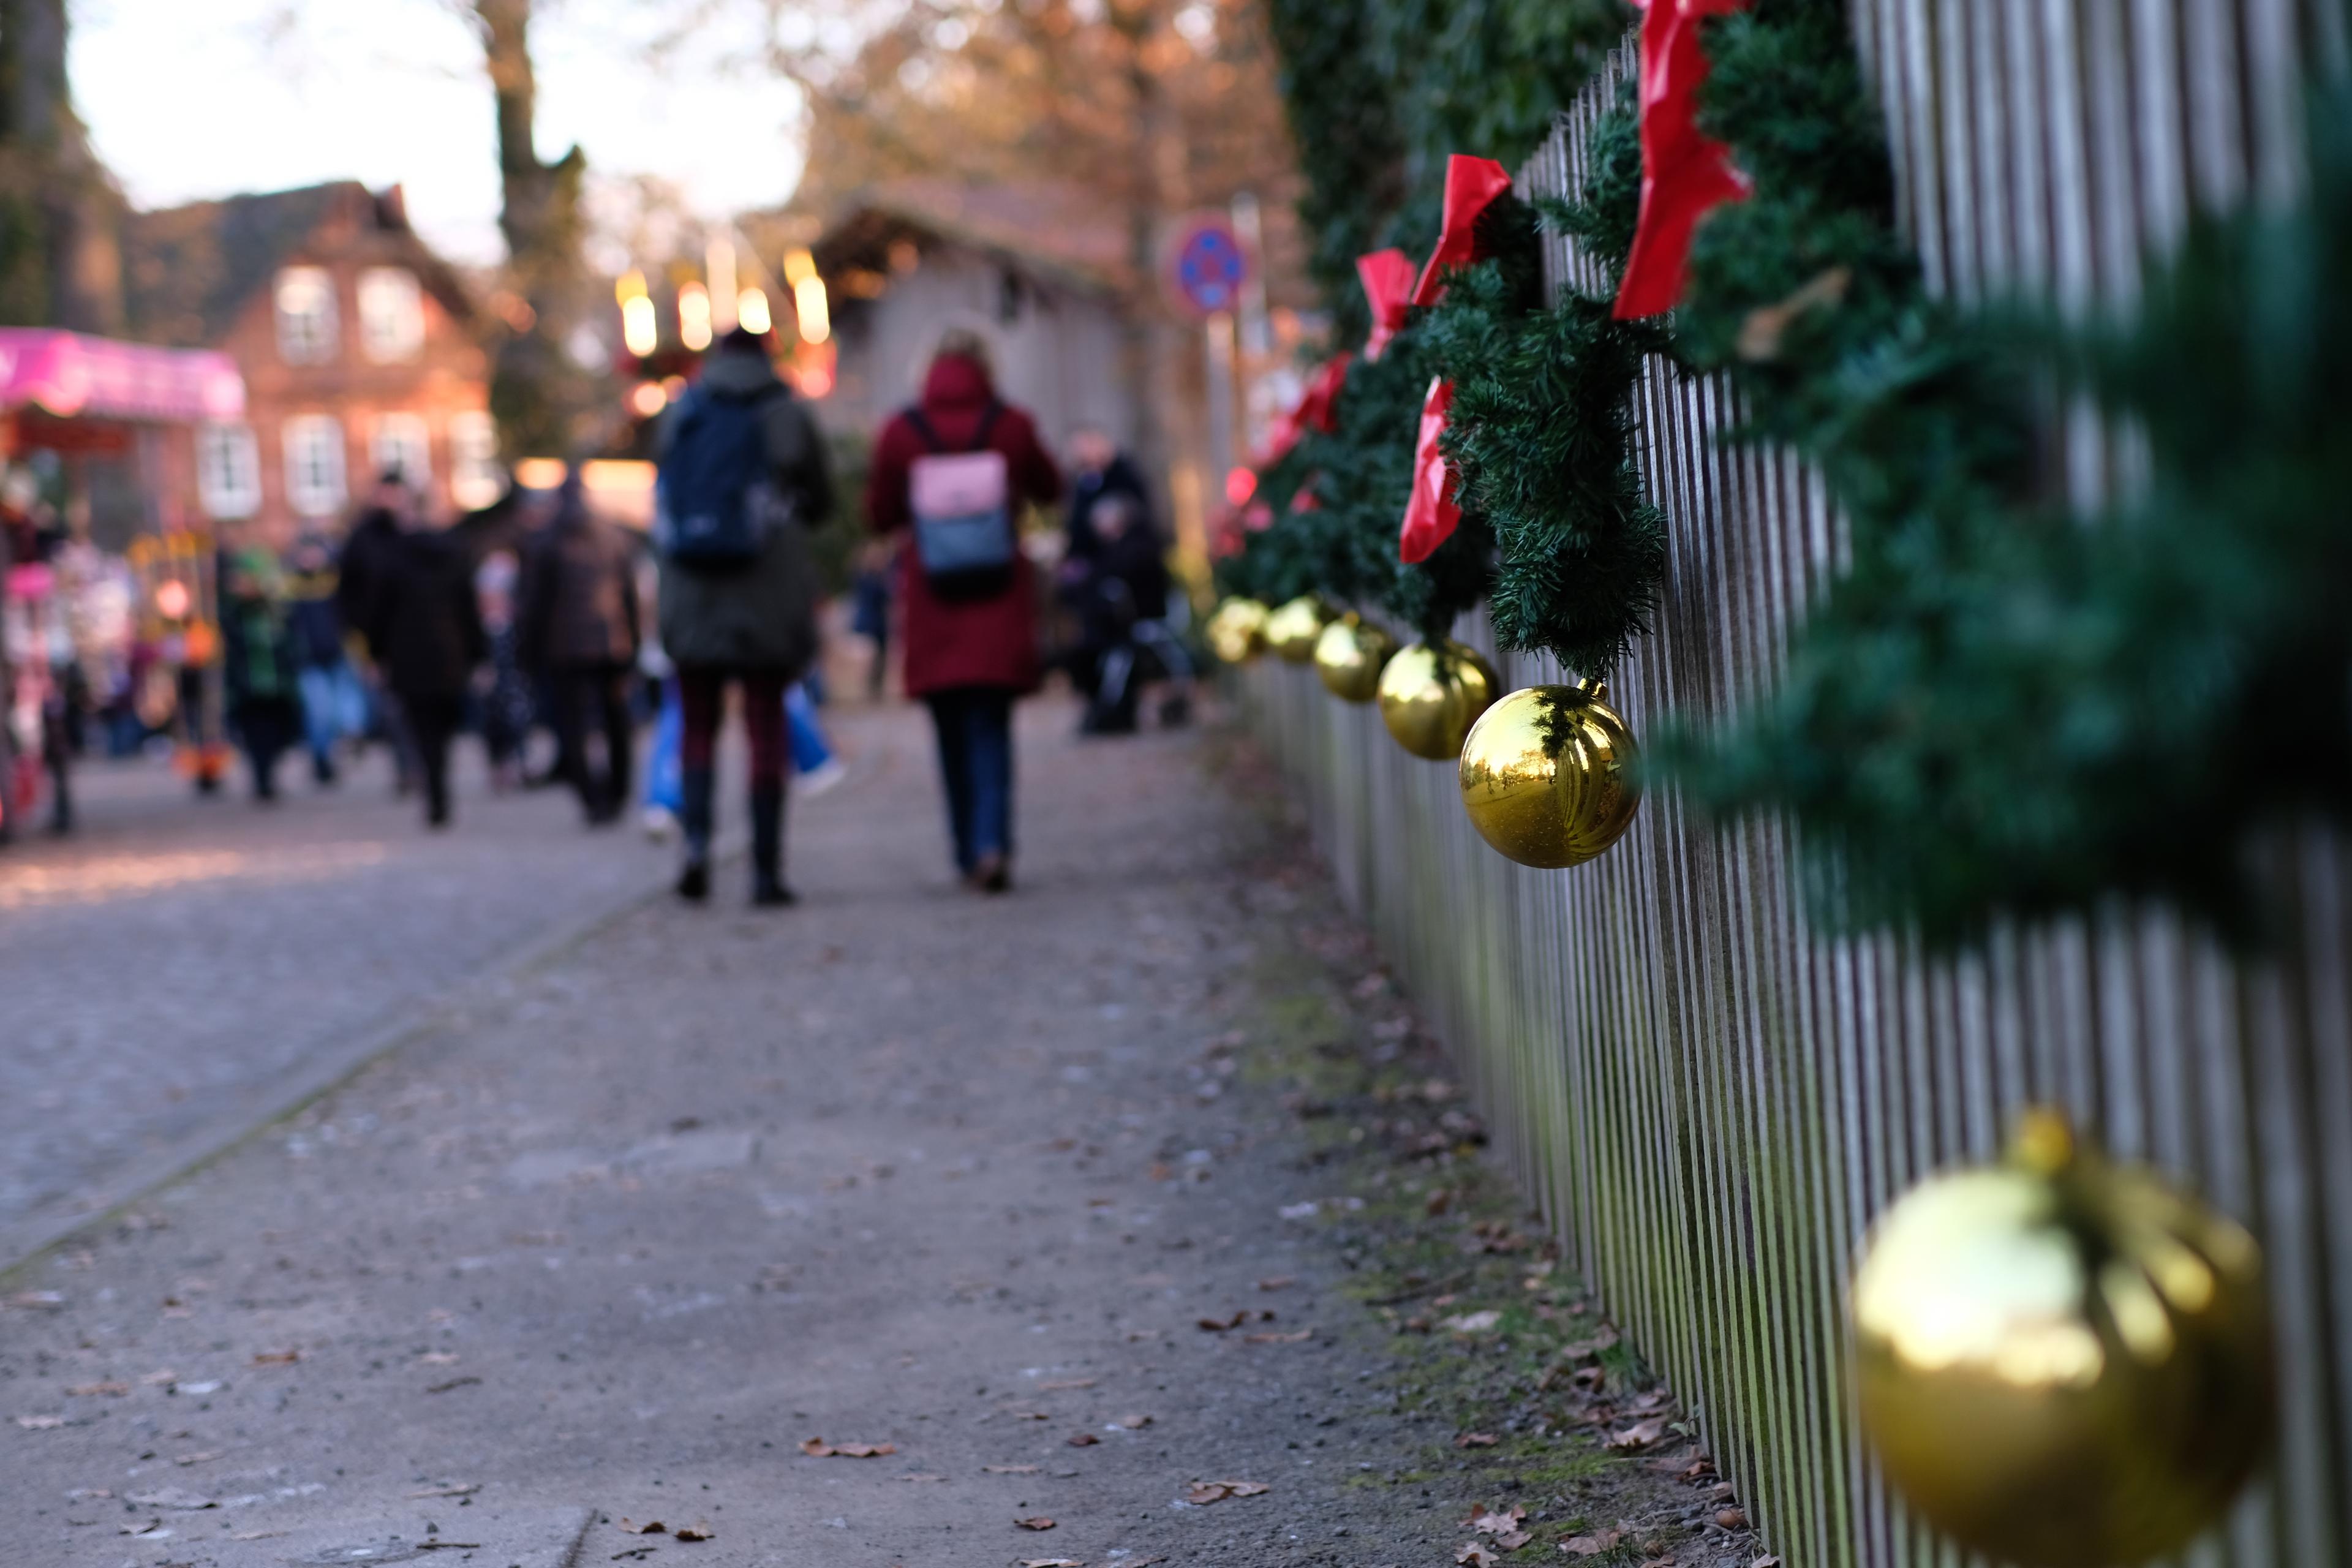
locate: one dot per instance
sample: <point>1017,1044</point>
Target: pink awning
<point>72,376</point>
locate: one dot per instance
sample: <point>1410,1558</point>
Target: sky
<point>191,99</point>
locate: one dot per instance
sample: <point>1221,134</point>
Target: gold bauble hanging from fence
<point>1291,630</point>
<point>1236,630</point>
<point>1350,656</point>
<point>1430,694</point>
<point>1544,775</point>
<point>2062,1363</point>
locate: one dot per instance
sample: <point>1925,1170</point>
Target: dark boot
<point>694,826</point>
<point>768,890</point>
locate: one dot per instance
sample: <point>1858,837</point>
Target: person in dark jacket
<point>751,624</point>
<point>332,703</point>
<point>369,548</point>
<point>577,625</point>
<point>967,657</point>
<point>1098,468</point>
<point>426,632</point>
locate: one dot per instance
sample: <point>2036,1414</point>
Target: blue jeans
<point>975,729</point>
<point>334,705</point>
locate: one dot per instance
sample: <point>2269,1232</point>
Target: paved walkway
<point>166,974</point>
<point>901,1167</point>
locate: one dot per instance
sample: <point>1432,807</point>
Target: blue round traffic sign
<point>1210,266</point>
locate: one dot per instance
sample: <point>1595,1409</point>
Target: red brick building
<point>358,346</point>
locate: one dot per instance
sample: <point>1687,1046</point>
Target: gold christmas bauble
<point>1350,656</point>
<point>2062,1363</point>
<point>1430,694</point>
<point>1544,775</point>
<point>1291,630</point>
<point>1236,630</point>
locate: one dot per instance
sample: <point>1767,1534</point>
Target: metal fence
<point>1712,1102</point>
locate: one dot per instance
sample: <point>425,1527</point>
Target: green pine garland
<point>2001,708</point>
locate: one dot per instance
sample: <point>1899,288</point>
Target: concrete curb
<point>335,1064</point>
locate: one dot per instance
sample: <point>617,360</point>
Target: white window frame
<point>402,441</point>
<point>317,482</point>
<point>229,471</point>
<point>391,315</point>
<point>310,323</point>
<point>476,478</point>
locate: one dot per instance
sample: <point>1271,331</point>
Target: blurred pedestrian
<point>869,613</point>
<point>426,631</point>
<point>1099,469</point>
<point>954,471</point>
<point>743,477</point>
<point>334,704</point>
<point>368,549</point>
<point>506,710</point>
<point>579,624</point>
<point>1119,589</point>
<point>264,704</point>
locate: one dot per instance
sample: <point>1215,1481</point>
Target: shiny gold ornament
<point>1291,630</point>
<point>2064,1362</point>
<point>1350,656</point>
<point>1544,775</point>
<point>1236,630</point>
<point>1431,693</point>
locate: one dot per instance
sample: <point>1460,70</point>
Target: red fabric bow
<point>1472,185</point>
<point>1433,513</point>
<point>1685,175</point>
<point>1387,277</point>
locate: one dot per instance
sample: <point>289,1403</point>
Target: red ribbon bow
<point>1316,410</point>
<point>1432,514</point>
<point>1685,175</point>
<point>1387,277</point>
<point>1472,185</point>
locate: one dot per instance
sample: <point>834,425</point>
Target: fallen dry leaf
<point>198,1458</point>
<point>1640,1435</point>
<point>1084,1440</point>
<point>1034,1521</point>
<point>1065,1383</point>
<point>1051,1562</point>
<point>37,1301</point>
<point>172,1497</point>
<point>452,1383</point>
<point>1495,1521</point>
<point>438,1358</point>
<point>818,1449</point>
<point>1009,1469</point>
<point>40,1422</point>
<point>1592,1545</point>
<point>1477,1440</point>
<point>1477,1556</point>
<point>1219,1325</point>
<point>1279,1282</point>
<point>1203,1493</point>
<point>257,1535</point>
<point>277,1358</point>
<point>1133,1423</point>
<point>455,1488</point>
<point>1514,1540</point>
<point>92,1390</point>
<point>1730,1519</point>
<point>158,1379</point>
<point>651,1527</point>
<point>698,1530</point>
<point>1301,1337</point>
<point>1471,1322</point>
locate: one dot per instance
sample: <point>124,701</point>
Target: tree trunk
<point>543,399</point>
<point>1165,438</point>
<point>60,216</point>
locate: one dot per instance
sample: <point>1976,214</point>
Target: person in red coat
<point>968,655</point>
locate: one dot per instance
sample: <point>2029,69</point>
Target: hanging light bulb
<point>751,311</point>
<point>694,316</point>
